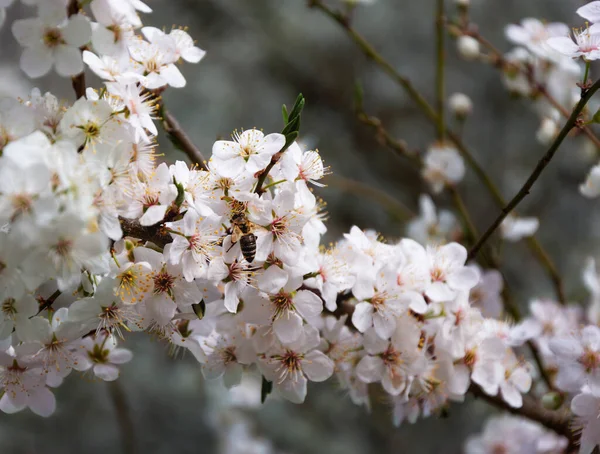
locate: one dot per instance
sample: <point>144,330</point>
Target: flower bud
<point>547,131</point>
<point>552,400</point>
<point>468,47</point>
<point>460,105</point>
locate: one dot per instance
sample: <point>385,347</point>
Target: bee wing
<point>236,234</point>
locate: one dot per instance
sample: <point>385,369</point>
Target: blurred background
<point>261,54</point>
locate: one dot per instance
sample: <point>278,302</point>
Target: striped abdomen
<point>248,246</point>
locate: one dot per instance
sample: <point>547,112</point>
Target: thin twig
<point>262,176</point>
<point>173,128</point>
<point>78,81</point>
<point>430,112</point>
<point>539,168</point>
<point>385,138</point>
<point>124,420</point>
<point>502,63</point>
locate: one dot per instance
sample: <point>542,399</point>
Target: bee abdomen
<point>248,246</point>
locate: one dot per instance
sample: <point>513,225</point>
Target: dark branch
<point>154,233</point>
<point>570,124</point>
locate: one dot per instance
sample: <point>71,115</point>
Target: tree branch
<point>432,115</point>
<point>154,233</point>
<point>570,124</point>
<point>530,409</point>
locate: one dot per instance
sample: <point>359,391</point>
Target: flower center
<point>470,358</point>
<point>21,204</point>
<point>63,247</point>
<point>283,303</point>
<point>8,307</point>
<point>163,282</point>
<point>590,360</point>
<point>53,37</point>
<point>228,355</point>
<point>391,357</point>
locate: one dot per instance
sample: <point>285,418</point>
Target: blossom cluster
<point>224,260</point>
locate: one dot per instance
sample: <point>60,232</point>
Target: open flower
<point>49,42</point>
<point>585,43</point>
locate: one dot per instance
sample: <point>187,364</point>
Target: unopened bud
<point>547,131</point>
<point>552,400</point>
<point>460,105</point>
<point>468,47</point>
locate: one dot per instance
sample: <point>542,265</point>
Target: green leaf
<point>199,309</point>
<point>265,389</point>
<point>180,193</point>
<point>289,139</point>
<point>284,112</point>
<point>596,117</point>
<point>298,106</point>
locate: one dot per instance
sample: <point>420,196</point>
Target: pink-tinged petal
<point>585,405</point>
<point>511,396</point>
<point>590,12</point>
<point>370,369</point>
<point>288,327</point>
<point>42,402</point>
<point>564,45</point>
<point>68,61</point>
<point>568,347</point>
<point>463,279</point>
<point>13,405</point>
<point>590,336</point>
<point>293,388</point>
<point>362,317</point>
<point>521,379</point>
<point>308,304</point>
<point>106,372</point>
<point>460,380</point>
<point>317,366</point>
<point>36,61</point>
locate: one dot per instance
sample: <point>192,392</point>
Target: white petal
<point>511,395</point>
<point>68,61</point>
<point>42,402</point>
<point>78,31</point>
<point>463,279</point>
<point>564,45</point>
<point>308,304</point>
<point>173,76</point>
<point>36,61</point>
<point>106,372</point>
<point>370,369</point>
<point>317,366</point>
<point>293,389</point>
<point>288,327</point>
<point>362,317</point>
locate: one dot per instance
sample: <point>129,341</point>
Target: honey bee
<point>242,230</point>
